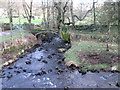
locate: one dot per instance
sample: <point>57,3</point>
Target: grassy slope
<point>84,47</point>
<point>13,49</point>
<point>8,37</point>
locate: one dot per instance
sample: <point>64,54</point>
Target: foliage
<point>65,35</point>
<point>11,49</point>
<point>107,13</point>
<point>64,28</point>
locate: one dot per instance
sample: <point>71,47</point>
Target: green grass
<point>102,37</point>
<point>22,20</point>
<point>85,47</point>
<point>8,37</point>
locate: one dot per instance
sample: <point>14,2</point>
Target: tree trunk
<point>48,16</point>
<point>43,9</point>
<point>72,16</point>
<point>53,15</point>
<point>10,21</point>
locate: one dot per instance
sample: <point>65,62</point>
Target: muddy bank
<point>45,68</point>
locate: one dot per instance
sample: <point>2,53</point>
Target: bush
<point>65,36</point>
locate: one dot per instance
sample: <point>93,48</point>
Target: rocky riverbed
<point>45,68</point>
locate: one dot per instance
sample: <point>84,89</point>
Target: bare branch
<point>85,14</point>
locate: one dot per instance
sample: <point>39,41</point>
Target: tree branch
<point>85,14</point>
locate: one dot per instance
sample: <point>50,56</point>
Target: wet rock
<point>9,76</point>
<point>114,68</point>
<point>10,67</point>
<point>28,62</point>
<point>40,73</point>
<point>17,71</point>
<point>20,68</point>
<point>58,73</point>
<point>24,70</point>
<point>46,50</point>
<point>11,61</point>
<point>50,70</point>
<point>21,56</point>
<point>8,72</point>
<point>94,70</point>
<point>72,66</point>
<point>44,61</point>
<point>49,56</point>
<point>82,72</point>
<point>44,72</point>
<point>66,87</point>
<point>59,62</point>
<point>15,67</point>
<point>6,64</point>
<point>103,70</point>
<point>40,49</point>
<point>3,71</point>
<point>53,54</point>
<point>40,58</point>
<point>57,68</point>
<point>118,84</point>
<point>61,50</point>
<point>63,58</point>
<point>3,74</point>
<point>60,70</point>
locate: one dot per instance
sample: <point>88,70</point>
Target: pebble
<point>66,87</point>
<point>49,56</point>
<point>45,61</point>
<point>50,70</point>
<point>28,62</point>
<point>10,67</point>
<point>9,76</point>
<point>59,62</point>
<point>24,70</point>
<point>40,73</point>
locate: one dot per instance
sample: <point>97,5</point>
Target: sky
<point>75,2</point>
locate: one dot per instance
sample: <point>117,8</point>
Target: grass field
<point>22,20</point>
<point>82,54</point>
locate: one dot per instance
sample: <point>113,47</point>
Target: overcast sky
<point>76,2</point>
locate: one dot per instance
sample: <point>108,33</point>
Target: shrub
<point>65,35</point>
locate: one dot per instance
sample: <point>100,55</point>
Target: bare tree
<point>80,19</point>
<point>53,14</point>
<point>61,10</point>
<point>10,16</point>
<point>71,10</point>
<point>43,10</point>
<point>28,10</point>
<point>48,15</point>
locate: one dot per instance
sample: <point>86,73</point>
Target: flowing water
<point>45,68</point>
